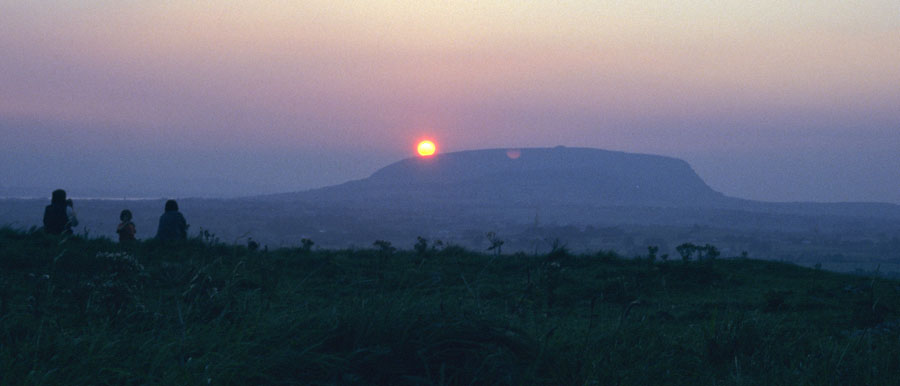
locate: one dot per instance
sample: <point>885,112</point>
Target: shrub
<point>384,247</point>
<point>496,243</point>
<point>306,245</point>
<point>651,253</point>
<point>421,246</point>
<point>686,250</point>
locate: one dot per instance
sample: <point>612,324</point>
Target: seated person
<point>172,225</point>
<point>55,218</point>
<point>126,228</point>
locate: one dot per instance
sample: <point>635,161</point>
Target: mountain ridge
<point>557,176</point>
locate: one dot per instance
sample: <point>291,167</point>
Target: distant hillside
<point>555,177</point>
<point>539,176</point>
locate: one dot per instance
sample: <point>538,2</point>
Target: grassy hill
<point>90,311</point>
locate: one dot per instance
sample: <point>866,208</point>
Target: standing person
<point>71,218</point>
<point>172,225</point>
<point>126,228</point>
<point>55,218</point>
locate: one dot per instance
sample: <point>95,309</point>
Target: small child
<point>126,229</point>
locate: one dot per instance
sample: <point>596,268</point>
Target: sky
<point>771,100</point>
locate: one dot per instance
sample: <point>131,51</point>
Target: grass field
<point>90,311</point>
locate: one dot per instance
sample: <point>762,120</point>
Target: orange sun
<point>426,148</point>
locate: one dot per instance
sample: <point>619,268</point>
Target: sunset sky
<point>771,100</point>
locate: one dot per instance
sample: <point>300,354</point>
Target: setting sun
<point>426,148</point>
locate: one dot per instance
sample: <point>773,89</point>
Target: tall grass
<point>90,311</point>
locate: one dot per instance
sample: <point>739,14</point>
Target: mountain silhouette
<point>553,177</point>
<point>560,175</point>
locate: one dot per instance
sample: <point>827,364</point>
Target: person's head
<point>59,197</point>
<point>70,203</point>
<point>171,206</point>
<point>125,215</point>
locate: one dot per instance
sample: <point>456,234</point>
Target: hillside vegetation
<point>90,311</point>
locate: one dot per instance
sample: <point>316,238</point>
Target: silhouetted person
<point>126,228</point>
<point>172,225</point>
<point>55,218</point>
<point>71,217</point>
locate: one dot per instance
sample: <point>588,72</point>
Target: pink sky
<point>769,100</point>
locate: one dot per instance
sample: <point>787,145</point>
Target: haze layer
<point>769,100</point>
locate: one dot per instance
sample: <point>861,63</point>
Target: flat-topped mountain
<point>560,175</point>
<point>554,177</point>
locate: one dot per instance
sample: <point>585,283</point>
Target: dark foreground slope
<point>83,311</point>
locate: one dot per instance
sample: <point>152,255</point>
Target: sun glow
<point>426,148</point>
